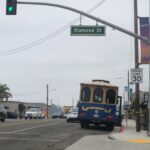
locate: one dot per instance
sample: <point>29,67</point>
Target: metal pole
<point>128,88</point>
<point>138,128</point>
<point>47,100</point>
<point>149,79</point>
<point>91,17</point>
<point>149,97</point>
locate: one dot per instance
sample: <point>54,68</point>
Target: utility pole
<point>138,127</point>
<point>128,88</point>
<point>149,80</point>
<point>47,99</point>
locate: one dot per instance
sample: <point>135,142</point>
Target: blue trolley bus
<point>98,104</point>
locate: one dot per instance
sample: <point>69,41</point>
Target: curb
<point>121,129</point>
<point>110,137</point>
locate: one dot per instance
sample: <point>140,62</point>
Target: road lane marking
<point>5,132</point>
<point>29,139</point>
<point>23,122</point>
<point>25,129</point>
<point>23,133</point>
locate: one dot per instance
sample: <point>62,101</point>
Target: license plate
<point>96,116</point>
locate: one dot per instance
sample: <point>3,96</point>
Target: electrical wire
<point>52,34</point>
<point>49,36</point>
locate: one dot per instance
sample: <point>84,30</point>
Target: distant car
<point>33,113</point>
<point>72,116</point>
<point>2,113</point>
<point>65,115</point>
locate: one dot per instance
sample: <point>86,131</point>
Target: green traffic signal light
<point>10,8</point>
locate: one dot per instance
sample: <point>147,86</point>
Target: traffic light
<point>11,7</point>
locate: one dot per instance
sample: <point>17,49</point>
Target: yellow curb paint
<point>138,141</point>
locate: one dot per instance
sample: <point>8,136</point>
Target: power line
<point>49,36</point>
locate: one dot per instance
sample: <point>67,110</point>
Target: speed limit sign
<point>137,75</point>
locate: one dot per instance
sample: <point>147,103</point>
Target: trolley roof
<point>103,83</point>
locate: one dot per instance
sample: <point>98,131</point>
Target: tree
<point>22,109</point>
<point>4,92</point>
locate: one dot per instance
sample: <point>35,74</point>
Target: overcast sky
<point>64,61</point>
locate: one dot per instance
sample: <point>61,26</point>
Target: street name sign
<point>137,75</point>
<point>126,88</point>
<point>84,30</point>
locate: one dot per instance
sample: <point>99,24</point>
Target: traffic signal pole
<point>146,40</point>
<point>135,35</point>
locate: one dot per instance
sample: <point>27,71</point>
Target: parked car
<point>2,113</point>
<point>12,115</point>
<point>65,115</point>
<point>33,113</point>
<point>72,116</point>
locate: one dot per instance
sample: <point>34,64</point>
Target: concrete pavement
<point>128,133</point>
<point>122,138</point>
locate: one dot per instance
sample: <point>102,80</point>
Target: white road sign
<point>137,75</point>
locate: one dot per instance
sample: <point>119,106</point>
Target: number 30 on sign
<point>137,75</point>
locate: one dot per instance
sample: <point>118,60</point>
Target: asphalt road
<point>51,134</point>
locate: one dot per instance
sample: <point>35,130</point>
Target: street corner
<point>139,141</point>
<point>119,129</point>
<point>111,137</point>
<point>116,133</point>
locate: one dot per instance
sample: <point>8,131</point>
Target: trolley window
<point>98,95</point>
<point>110,96</point>
<point>85,94</point>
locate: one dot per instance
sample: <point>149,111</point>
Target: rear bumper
<point>97,121</point>
<point>73,119</point>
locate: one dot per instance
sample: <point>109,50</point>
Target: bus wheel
<point>86,125</point>
<point>82,124</point>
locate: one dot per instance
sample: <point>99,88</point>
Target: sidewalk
<point>125,138</point>
<point>128,133</point>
